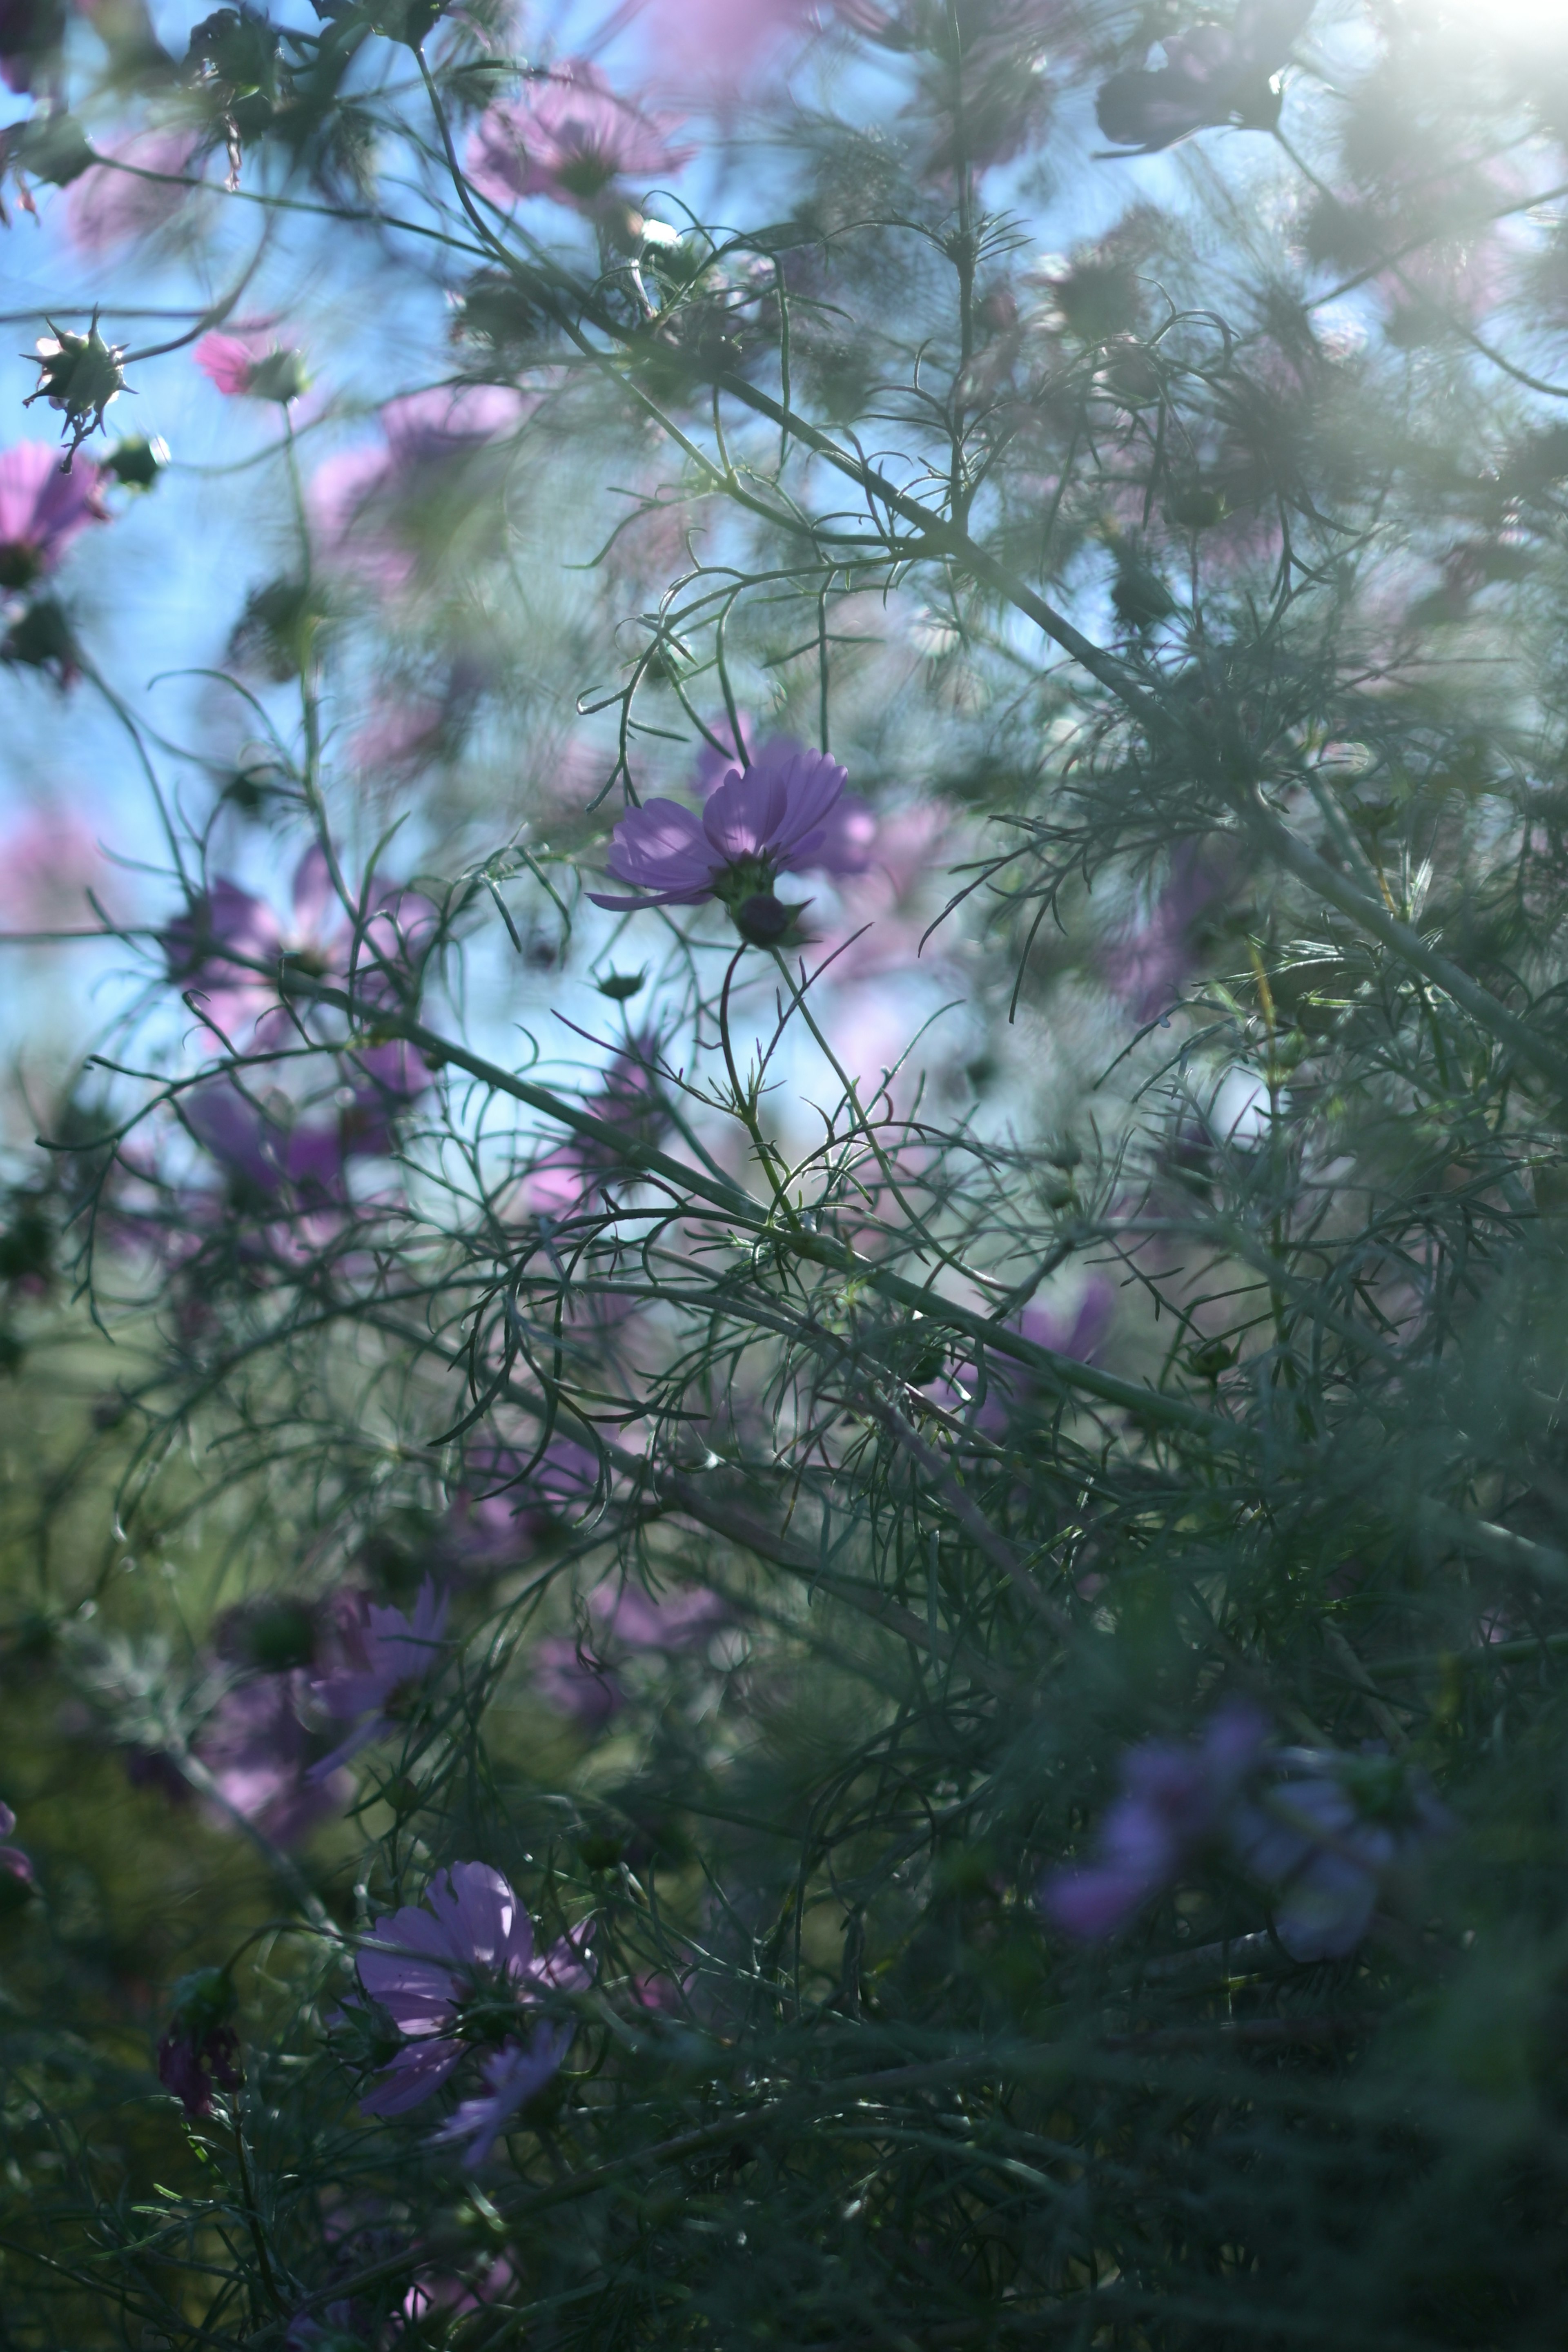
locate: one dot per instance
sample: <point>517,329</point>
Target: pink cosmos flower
<point>43,510</point>
<point>251,367</point>
<point>570,138</point>
<point>1175,1800</point>
<point>511,2076</point>
<point>212,948</point>
<point>777,816</point>
<point>463,1972</point>
<point>396,1656</point>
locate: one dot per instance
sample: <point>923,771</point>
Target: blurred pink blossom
<point>48,861</point>
<point>717,46</point>
<point>226,953</point>
<point>108,207</point>
<point>356,498</point>
<point>42,509</point>
<point>251,366</point>
<point>570,138</point>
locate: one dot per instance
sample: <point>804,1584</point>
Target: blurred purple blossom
<point>322,2330</point>
<point>13,1861</point>
<point>42,509</point>
<point>564,1181</point>
<point>511,2076</point>
<point>1175,1800</point>
<point>257,1749</point>
<point>1307,1834</point>
<point>575,1683</point>
<point>683,1619</point>
<point>1213,73</point>
<point>391,1658</point>
<point>578,1682</point>
<point>261,1146</point>
<point>1007,1384</point>
<point>780,815</point>
<point>570,138</point>
<point>715,46</point>
<point>459,1972</point>
<point>1323,1828</point>
<point>1146,964</point>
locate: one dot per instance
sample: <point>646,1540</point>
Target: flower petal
<point>413,2075</point>
<point>743,815</point>
<point>661,846</point>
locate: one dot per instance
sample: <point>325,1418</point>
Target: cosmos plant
<point>782,1551</point>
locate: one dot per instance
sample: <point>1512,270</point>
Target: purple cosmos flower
<point>13,1861</point>
<point>1175,1800</point>
<point>456,1974</point>
<point>396,1656</point>
<point>199,2053</point>
<point>1213,75</point>
<point>265,1153</point>
<point>773,817</point>
<point>511,2074</point>
<point>43,510</point>
<point>569,138</point>
<point>249,367</point>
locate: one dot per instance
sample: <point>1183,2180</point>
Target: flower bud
<point>79,375</point>
<point>199,2051</point>
<point>137,461</point>
<point>763,920</point>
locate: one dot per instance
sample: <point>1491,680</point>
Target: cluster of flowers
<point>232,957</point>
